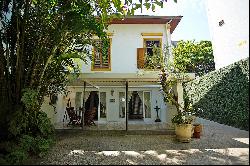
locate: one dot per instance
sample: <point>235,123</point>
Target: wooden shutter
<point>140,58</point>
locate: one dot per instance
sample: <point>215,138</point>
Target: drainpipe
<point>168,42</point>
<point>126,110</point>
<point>83,104</point>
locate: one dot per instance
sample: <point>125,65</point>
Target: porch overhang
<point>99,79</point>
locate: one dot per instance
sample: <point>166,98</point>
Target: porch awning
<point>98,79</point>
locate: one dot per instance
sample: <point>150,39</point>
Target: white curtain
<point>103,106</point>
<point>129,95</point>
<point>78,100</point>
<point>121,105</point>
<point>147,104</point>
<point>87,93</point>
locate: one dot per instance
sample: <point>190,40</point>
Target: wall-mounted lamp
<point>112,92</point>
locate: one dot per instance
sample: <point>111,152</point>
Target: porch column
<point>180,93</point>
<point>83,104</point>
<point>126,110</point>
<point>168,40</point>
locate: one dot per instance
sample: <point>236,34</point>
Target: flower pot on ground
<point>197,130</point>
<point>196,135</point>
<point>197,127</point>
<point>184,132</point>
<point>183,126</point>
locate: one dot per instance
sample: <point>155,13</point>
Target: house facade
<point>123,87</point>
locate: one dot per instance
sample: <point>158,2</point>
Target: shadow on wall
<point>223,95</point>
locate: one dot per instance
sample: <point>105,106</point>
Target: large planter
<point>184,132</point>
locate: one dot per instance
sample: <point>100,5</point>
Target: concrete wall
<point>49,110</point>
<point>231,40</point>
<point>125,41</point>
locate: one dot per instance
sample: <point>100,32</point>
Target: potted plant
<point>183,120</point>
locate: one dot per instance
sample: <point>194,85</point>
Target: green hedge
<point>222,95</point>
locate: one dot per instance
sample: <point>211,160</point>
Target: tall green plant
<point>169,78</point>
<point>194,57</point>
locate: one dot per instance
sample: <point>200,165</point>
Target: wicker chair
<point>74,119</point>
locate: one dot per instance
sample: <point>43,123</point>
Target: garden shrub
<point>32,138</point>
<point>17,156</point>
<point>42,146</point>
<point>3,161</point>
<point>45,128</point>
<point>222,95</point>
<point>27,143</point>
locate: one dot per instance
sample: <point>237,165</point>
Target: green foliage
<point>42,146</point>
<point>30,99</point>
<point>185,115</point>
<point>155,60</point>
<point>7,146</point>
<point>35,122</point>
<point>31,133</point>
<point>169,78</point>
<point>3,161</point>
<point>193,57</point>
<point>13,152</point>
<point>223,95</point>
<point>18,123</point>
<point>131,6</point>
<point>45,127</point>
<point>17,156</point>
<point>183,118</point>
<point>27,143</point>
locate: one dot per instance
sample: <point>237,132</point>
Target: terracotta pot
<point>197,128</point>
<point>184,132</point>
<point>196,135</point>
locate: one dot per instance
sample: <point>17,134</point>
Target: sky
<point>193,25</point>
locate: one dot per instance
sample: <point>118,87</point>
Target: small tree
<point>169,78</point>
<point>194,57</point>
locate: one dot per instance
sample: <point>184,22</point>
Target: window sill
<point>101,69</point>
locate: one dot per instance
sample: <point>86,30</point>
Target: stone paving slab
<point>218,145</point>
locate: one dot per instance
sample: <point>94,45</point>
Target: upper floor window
<point>150,56</point>
<point>152,46</point>
<point>101,55</point>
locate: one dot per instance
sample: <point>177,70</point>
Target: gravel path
<point>218,145</point>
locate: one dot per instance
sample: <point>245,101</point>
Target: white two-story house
<point>123,89</point>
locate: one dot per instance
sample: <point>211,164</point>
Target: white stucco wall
<point>113,107</point>
<point>48,109</point>
<point>231,40</point>
<point>125,41</point>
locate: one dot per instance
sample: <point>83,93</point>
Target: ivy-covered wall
<point>222,95</point>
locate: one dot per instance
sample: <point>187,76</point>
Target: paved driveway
<point>219,145</point>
